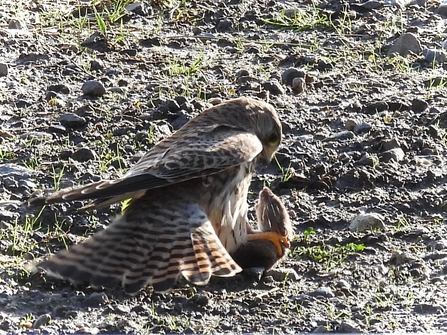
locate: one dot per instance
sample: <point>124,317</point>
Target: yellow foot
<point>277,239</point>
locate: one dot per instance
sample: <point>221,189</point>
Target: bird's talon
<point>278,240</point>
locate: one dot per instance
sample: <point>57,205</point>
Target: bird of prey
<point>272,217</point>
<point>188,208</point>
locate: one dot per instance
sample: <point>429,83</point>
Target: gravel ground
<point>86,89</point>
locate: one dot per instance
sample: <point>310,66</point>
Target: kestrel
<point>272,216</point>
<point>188,208</point>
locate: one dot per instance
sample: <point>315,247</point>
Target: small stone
<point>201,299</point>
<point>224,25</point>
<point>350,124</point>
<point>3,70</point>
<point>367,160</point>
<point>83,155</point>
<point>419,106</point>
<point>288,75</point>
<point>323,291</point>
<point>37,136</point>
<point>362,128</point>
<point>96,299</point>
<point>141,8</point>
<point>14,24</point>
<point>298,85</point>
<point>71,120</point>
<point>320,330</point>
<point>42,320</point>
<point>395,154</point>
<point>435,56</point>
<point>93,87</point>
<point>367,221</point>
<point>442,9</point>
<point>375,107</point>
<point>406,43</point>
<point>341,136</point>
<point>349,326</point>
<point>273,86</point>
<point>59,88</point>
<point>433,131</point>
<point>283,274</point>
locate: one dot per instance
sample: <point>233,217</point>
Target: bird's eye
<point>273,139</point>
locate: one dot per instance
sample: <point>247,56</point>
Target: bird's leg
<point>277,240</point>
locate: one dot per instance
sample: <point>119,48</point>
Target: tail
<point>147,246</point>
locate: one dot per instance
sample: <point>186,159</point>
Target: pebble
<point>14,170</point>
<point>349,326</point>
<point>274,87</point>
<point>96,299</point>
<point>442,8</point>
<point>14,24</point>
<point>406,43</point>
<point>362,128</point>
<point>320,330</point>
<point>3,70</point>
<point>341,136</point>
<point>435,56</point>
<point>282,274</point>
<point>290,74</point>
<point>201,299</point>
<point>37,136</point>
<point>323,291</point>
<point>375,107</point>
<point>366,221</point>
<point>142,8</point>
<point>298,85</point>
<point>395,154</point>
<point>42,320</point>
<point>59,88</point>
<point>419,106</point>
<point>93,87</point>
<point>71,120</point>
<point>83,155</point>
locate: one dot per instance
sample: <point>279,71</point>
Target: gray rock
<point>273,86</point>
<point>37,136</point>
<point>362,128</point>
<point>367,221</point>
<point>140,8</point>
<point>442,9</point>
<point>405,44</point>
<point>419,106</point>
<point>15,170</point>
<point>323,291</point>
<point>395,154</point>
<point>288,75</point>
<point>83,155</point>
<point>435,56</point>
<point>42,320</point>
<point>14,24</point>
<point>349,326</point>
<point>71,120</point>
<point>341,136</point>
<point>298,85</point>
<point>3,70</point>
<point>282,274</point>
<point>96,299</point>
<point>93,87</point>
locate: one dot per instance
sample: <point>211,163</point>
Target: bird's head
<point>267,127</point>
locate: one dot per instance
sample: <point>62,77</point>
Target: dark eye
<point>273,139</point>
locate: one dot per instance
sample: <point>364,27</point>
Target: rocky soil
<point>86,88</point>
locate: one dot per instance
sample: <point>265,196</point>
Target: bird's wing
<point>151,244</point>
<point>173,160</point>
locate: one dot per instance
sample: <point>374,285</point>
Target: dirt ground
<point>86,88</point>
